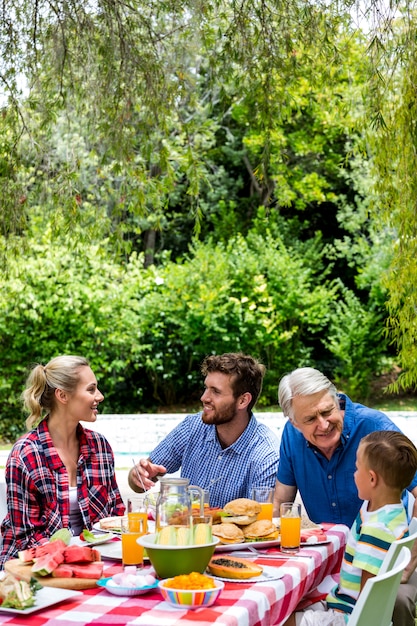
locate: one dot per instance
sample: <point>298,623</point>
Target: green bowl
<point>169,561</point>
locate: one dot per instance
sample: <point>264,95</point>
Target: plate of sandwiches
<point>263,533</point>
<point>110,524</point>
<point>240,528</point>
<point>260,534</point>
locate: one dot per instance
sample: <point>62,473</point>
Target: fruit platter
<point>56,563</point>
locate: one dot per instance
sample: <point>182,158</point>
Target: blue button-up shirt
<point>327,487</point>
<point>252,460</point>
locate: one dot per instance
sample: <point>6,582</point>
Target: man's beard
<point>221,416</point>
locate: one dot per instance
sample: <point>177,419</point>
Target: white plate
<point>269,573</point>
<point>97,526</point>
<point>259,545</point>
<point>231,547</point>
<point>111,551</point>
<point>45,597</point>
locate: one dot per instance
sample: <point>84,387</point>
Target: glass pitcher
<point>173,505</point>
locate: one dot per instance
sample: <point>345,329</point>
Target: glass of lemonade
<point>134,526</point>
<point>290,522</point>
<point>265,497</point>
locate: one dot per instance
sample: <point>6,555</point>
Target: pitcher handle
<point>200,492</point>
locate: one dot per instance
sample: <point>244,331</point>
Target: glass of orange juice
<point>195,502</point>
<point>134,525</point>
<point>290,522</point>
<point>265,497</point>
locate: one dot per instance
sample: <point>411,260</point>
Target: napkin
<point>313,535</point>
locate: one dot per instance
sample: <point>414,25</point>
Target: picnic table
<point>240,604</point>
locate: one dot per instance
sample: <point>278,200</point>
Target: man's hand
<point>283,493</point>
<point>148,475</point>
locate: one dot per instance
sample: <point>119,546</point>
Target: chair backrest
<point>410,505</point>
<point>377,598</point>
<point>395,548</point>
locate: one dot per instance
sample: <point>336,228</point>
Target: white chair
<point>410,507</point>
<point>395,548</point>
<point>377,598</point>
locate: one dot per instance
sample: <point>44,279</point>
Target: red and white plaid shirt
<point>38,488</point>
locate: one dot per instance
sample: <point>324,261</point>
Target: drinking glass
<point>195,502</point>
<point>290,522</point>
<point>265,497</point>
<point>204,519</point>
<point>134,526</point>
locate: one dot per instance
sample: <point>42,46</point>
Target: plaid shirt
<point>38,488</point>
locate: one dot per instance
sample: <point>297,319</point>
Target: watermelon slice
<point>50,547</point>
<point>62,561</point>
<point>79,554</point>
<point>27,556</point>
<point>96,554</point>
<point>87,570</point>
<point>62,571</point>
<point>45,565</point>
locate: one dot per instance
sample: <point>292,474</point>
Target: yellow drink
<point>290,533</point>
<point>264,496</point>
<point>138,522</point>
<point>137,525</point>
<point>132,552</point>
<point>266,511</point>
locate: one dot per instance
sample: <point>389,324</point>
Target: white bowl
<point>125,591</point>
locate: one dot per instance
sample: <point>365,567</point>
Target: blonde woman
<point>58,475</point>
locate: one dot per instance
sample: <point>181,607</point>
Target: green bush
<point>146,331</point>
<point>356,338</point>
<point>252,295</point>
<point>54,302</point>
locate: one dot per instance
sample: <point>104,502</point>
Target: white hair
<point>303,381</point>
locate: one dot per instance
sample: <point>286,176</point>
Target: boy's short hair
<point>392,455</point>
<point>246,373</point>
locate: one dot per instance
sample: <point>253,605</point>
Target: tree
<point>395,209</point>
<point>150,70</point>
<point>153,83</point>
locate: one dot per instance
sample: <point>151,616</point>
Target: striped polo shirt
<point>369,539</point>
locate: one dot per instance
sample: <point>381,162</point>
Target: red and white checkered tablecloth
<point>240,604</point>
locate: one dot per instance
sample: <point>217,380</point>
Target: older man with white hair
<point>318,459</point>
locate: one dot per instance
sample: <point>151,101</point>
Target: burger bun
<point>261,530</point>
<point>228,533</point>
<point>241,511</point>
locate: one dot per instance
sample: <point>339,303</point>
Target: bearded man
<point>223,449</point>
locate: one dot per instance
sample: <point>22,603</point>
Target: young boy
<point>386,462</point>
